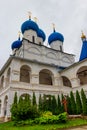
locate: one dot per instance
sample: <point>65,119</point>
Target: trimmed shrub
<point>61,118</point>
<point>69,109</point>
<point>46,114</point>
<point>84,103</point>
<point>78,103</point>
<point>62,105</point>
<point>14,107</point>
<point>73,103</point>
<point>54,106</point>
<point>34,99</point>
<point>59,105</point>
<point>24,110</point>
<point>40,105</point>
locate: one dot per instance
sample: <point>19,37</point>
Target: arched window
<point>61,48</point>
<point>2,81</point>
<point>45,77</point>
<point>25,74</point>
<point>5,105</point>
<point>66,81</point>
<point>82,75</point>
<point>25,97</point>
<point>8,76</point>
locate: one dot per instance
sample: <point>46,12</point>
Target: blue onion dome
<point>55,36</point>
<point>29,24</point>
<point>16,44</point>
<point>41,34</point>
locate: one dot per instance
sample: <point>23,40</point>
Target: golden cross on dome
<point>29,14</point>
<point>19,33</point>
<point>53,27</point>
<point>83,36</point>
<point>35,19</point>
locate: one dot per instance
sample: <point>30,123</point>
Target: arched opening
<point>8,76</point>
<point>25,74</point>
<point>5,105</point>
<point>45,77</point>
<point>82,75</point>
<point>0,106</point>
<point>25,96</point>
<point>66,81</point>
<point>2,82</point>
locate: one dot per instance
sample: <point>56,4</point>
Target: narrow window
<point>61,48</point>
<point>33,39</point>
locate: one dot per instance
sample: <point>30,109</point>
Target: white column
<point>35,79</point>
<point>75,82</point>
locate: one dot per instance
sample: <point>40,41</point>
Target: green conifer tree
<point>14,107</point>
<point>73,103</point>
<point>15,98</point>
<point>62,106</point>
<point>59,106</point>
<point>49,103</point>
<point>45,107</point>
<point>69,109</point>
<point>40,107</point>
<point>34,100</point>
<point>54,105</point>
<point>84,105</point>
<point>78,103</point>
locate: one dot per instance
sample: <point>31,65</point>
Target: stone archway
<point>66,81</point>
<point>82,75</point>
<point>5,105</point>
<point>25,73</point>
<point>8,76</point>
<point>2,82</point>
<point>45,77</point>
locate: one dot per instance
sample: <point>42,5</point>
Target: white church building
<point>34,67</point>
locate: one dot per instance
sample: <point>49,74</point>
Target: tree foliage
<point>84,102</point>
<point>73,103</point>
<point>34,99</point>
<point>78,103</point>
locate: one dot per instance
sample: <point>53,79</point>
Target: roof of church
<point>29,24</point>
<point>16,44</point>
<point>83,54</point>
<point>41,34</point>
<point>73,65</point>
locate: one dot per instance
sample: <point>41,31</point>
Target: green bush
<point>61,118</point>
<point>46,114</point>
<point>23,110</point>
<point>84,102</point>
<point>73,103</point>
<point>78,103</point>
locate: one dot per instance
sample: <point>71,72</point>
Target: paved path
<point>78,128</point>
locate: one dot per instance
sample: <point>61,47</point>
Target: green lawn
<point>70,123</point>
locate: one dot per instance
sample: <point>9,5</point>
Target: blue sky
<point>69,16</point>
